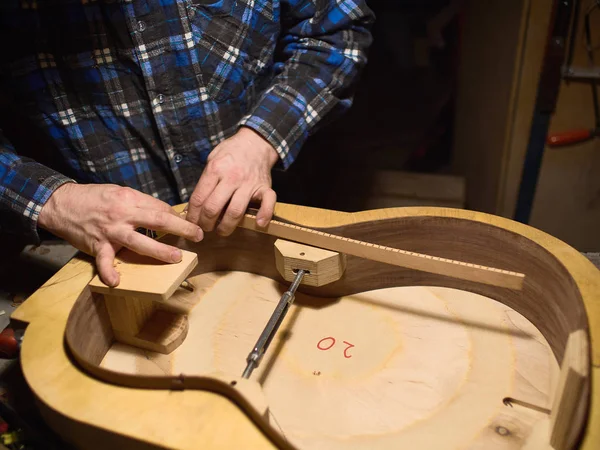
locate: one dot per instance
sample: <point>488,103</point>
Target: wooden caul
<point>382,356</point>
<point>388,255</point>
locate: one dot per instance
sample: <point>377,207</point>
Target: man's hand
<point>100,219</point>
<point>238,172</point>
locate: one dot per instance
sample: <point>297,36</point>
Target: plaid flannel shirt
<point>138,92</point>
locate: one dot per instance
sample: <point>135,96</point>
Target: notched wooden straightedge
<point>389,255</point>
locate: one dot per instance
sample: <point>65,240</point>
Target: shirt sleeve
<point>25,186</point>
<point>324,47</point>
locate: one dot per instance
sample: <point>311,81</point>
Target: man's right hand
<point>100,219</point>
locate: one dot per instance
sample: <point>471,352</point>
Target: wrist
<point>259,143</point>
<point>50,212</point>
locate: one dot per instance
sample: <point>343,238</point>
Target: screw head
<point>502,431</point>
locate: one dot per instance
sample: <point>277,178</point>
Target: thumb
<point>104,263</point>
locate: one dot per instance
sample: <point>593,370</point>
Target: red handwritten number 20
<point>328,342</point>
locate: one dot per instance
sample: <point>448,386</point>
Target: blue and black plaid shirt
<point>138,92</point>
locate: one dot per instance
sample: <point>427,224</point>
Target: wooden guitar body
<point>385,357</point>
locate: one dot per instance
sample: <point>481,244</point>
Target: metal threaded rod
<point>273,324</point>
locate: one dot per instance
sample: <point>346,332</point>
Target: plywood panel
<point>413,367</point>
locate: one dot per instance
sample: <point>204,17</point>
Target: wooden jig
<point>408,349</point>
<point>136,305</point>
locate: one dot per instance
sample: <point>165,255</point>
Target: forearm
<point>324,50</point>
<point>25,187</point>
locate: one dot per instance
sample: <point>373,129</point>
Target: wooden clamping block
<point>323,266</point>
<point>569,404</point>
<point>136,305</point>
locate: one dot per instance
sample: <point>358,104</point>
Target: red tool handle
<point>569,137</point>
<point>9,347</point>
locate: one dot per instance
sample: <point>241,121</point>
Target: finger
<point>204,188</point>
<point>143,245</point>
<point>105,258</point>
<point>234,213</point>
<point>215,204</point>
<point>268,199</point>
<point>167,223</point>
<point>146,201</point>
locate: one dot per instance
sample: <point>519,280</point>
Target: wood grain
<point>128,314</point>
<point>571,387</point>
<point>322,266</point>
<point>389,255</point>
<point>146,278</point>
<point>381,369</point>
<point>561,294</point>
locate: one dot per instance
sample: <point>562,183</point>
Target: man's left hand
<point>238,172</point>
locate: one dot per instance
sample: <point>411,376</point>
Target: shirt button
<point>161,98</point>
<point>141,26</point>
<point>178,158</point>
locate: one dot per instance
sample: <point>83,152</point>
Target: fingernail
<point>199,234</point>
<point>176,255</point>
<point>261,222</point>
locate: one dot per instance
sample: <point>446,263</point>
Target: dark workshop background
<point>442,117</point>
<point>401,123</point>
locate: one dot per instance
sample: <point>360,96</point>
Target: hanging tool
<point>272,326</point>
<point>581,135</point>
<point>572,137</point>
<point>547,93</point>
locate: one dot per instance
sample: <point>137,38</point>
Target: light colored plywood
<point>146,278</point>
<point>382,369</point>
<point>560,295</point>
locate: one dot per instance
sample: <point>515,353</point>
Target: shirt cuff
<point>26,196</point>
<point>285,118</point>
<point>48,186</point>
